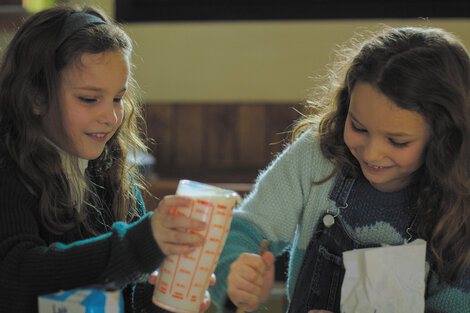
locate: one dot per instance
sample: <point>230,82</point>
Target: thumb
<point>268,277</point>
<point>268,259</point>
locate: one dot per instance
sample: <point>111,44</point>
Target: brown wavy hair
<point>425,70</point>
<point>30,76</point>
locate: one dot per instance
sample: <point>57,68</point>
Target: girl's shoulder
<point>12,183</point>
<point>307,146</point>
<point>8,168</point>
<point>306,140</point>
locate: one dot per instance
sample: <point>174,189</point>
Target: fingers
<point>246,281</point>
<point>268,259</point>
<point>268,277</point>
<point>212,280</point>
<point>176,233</point>
<point>168,209</point>
<point>153,278</point>
<point>170,202</point>
<point>206,302</point>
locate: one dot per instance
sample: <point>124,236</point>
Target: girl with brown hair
<point>383,158</point>
<point>71,213</point>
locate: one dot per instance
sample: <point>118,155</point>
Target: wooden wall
<point>224,143</point>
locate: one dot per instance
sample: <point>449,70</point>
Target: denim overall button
<point>328,220</point>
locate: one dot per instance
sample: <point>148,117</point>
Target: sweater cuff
<point>143,300</point>
<point>143,244</point>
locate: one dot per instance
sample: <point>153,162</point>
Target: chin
<point>90,156</point>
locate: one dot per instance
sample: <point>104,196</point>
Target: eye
<point>357,129</point>
<point>87,100</point>
<point>117,99</point>
<point>398,144</point>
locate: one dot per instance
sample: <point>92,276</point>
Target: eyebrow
<point>95,89</point>
<point>388,134</point>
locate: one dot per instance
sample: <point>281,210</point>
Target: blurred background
<point>223,81</point>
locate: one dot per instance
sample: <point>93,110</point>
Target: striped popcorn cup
<point>183,279</point>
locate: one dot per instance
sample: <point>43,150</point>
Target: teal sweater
<point>285,208</point>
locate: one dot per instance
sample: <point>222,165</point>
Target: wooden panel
<point>190,147</point>
<point>12,15</point>
<point>251,135</point>
<point>280,119</point>
<point>161,129</point>
<point>220,131</point>
<point>227,143</point>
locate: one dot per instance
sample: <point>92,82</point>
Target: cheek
<point>412,159</point>
<point>120,116</point>
<point>351,138</point>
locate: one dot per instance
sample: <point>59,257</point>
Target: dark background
<point>212,10</point>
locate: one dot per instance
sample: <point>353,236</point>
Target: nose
<point>373,151</point>
<point>108,115</point>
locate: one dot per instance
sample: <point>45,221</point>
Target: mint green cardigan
<point>285,208</point>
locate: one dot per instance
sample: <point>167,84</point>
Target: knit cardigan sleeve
<point>30,267</point>
<point>272,210</point>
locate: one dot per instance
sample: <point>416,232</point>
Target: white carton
<point>82,301</point>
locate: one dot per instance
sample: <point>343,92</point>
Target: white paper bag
<point>385,280</point>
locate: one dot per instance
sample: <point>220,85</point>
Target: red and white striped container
<point>183,279</point>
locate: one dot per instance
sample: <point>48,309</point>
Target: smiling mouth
<point>376,166</point>
<point>99,135</point>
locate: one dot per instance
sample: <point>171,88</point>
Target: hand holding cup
<point>183,278</point>
<point>176,234</point>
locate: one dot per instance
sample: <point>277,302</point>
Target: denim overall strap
<point>341,188</point>
<point>321,274</point>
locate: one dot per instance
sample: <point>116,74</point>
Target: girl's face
<point>388,142</point>
<point>90,104</point>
